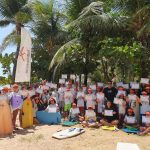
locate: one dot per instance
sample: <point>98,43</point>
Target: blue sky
<point>3,33</point>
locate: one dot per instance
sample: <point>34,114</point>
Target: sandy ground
<point>40,138</point>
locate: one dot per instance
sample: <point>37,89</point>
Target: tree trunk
<point>18,30</point>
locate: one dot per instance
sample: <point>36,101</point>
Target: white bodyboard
<point>71,132</point>
<point>127,146</point>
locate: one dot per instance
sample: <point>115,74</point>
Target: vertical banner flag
<point>23,70</point>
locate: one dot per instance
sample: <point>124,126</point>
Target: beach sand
<point>40,138</point>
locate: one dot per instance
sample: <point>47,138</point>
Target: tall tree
<point>14,12</point>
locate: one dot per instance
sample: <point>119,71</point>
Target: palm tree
<point>92,24</point>
<point>46,25</point>
<point>139,15</point>
<point>14,12</point>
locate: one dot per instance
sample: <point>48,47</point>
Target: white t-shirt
<point>74,112</point>
<point>90,114</point>
<point>61,91</point>
<point>80,99</point>
<point>145,104</point>
<point>52,108</point>
<point>132,100</point>
<point>68,97</point>
<point>90,100</point>
<point>130,119</point>
<point>100,98</point>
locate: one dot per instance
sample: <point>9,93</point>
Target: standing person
<point>133,102</point>
<point>16,101</point>
<point>110,92</point>
<point>110,115</point>
<point>61,92</point>
<point>6,127</point>
<point>100,98</point>
<point>68,99</point>
<point>45,97</point>
<point>80,101</point>
<point>145,104</point>
<point>90,99</point>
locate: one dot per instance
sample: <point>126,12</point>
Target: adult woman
<point>110,115</point>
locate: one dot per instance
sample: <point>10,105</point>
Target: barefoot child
<point>130,118</point>
<point>146,121</point>
<point>74,113</point>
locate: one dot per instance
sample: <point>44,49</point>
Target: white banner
<point>23,70</point>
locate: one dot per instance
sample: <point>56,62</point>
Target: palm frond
<point>59,57</point>
<point>4,23</point>
<point>12,38</point>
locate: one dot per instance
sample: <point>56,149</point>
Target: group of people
<point>102,106</point>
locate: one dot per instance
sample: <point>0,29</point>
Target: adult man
<point>16,101</point>
<point>110,92</point>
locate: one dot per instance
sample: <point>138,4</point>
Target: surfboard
<point>68,133</point>
<point>127,146</point>
<point>109,128</point>
<point>45,117</point>
<point>6,127</point>
<point>27,114</point>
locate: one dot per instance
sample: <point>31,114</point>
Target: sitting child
<point>146,120</point>
<point>52,107</point>
<point>90,118</point>
<point>74,113</point>
<point>110,117</point>
<point>130,118</point>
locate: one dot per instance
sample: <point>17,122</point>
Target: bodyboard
<point>109,128</point>
<point>69,123</point>
<point>5,118</point>
<point>48,118</point>
<point>68,133</point>
<point>27,114</point>
<point>127,146</point>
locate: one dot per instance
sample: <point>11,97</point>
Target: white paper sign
<point>62,81</point>
<point>100,84</point>
<point>38,90</point>
<point>126,86</point>
<point>75,111</point>
<point>93,87</point>
<point>54,86</point>
<point>145,80</point>
<point>48,84</point>
<point>144,98</point>
<point>131,119</point>
<point>64,76</point>
<point>119,84</point>
<point>108,113</point>
<point>52,110</point>
<point>135,86</point>
<point>145,119</point>
<point>116,100</point>
<point>72,76</point>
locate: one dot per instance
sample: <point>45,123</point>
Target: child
<point>130,118</point>
<point>80,101</point>
<point>74,113</point>
<point>146,129</point>
<point>133,102</point>
<point>90,99</point>
<point>110,117</point>
<point>39,105</point>
<point>68,99</point>
<point>90,118</point>
<point>100,100</point>
<point>145,103</point>
<point>121,103</point>
<point>52,107</point>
